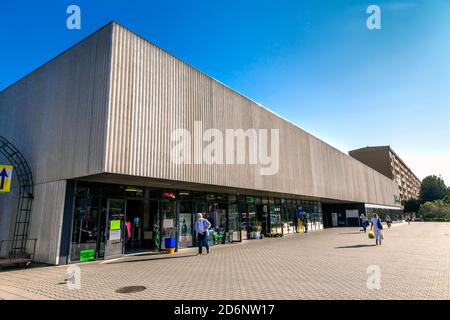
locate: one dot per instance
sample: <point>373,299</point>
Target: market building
<point>99,124</point>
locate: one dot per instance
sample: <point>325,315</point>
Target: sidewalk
<point>331,264</point>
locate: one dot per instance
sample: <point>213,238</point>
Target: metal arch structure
<point>25,197</point>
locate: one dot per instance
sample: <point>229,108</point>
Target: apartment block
<point>384,160</point>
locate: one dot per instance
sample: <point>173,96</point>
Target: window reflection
<point>85,229</point>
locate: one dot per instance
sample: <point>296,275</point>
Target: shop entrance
<point>114,233</point>
<point>234,222</point>
<point>217,216</point>
<point>275,222</point>
<point>262,215</point>
<point>148,223</point>
<point>151,230</point>
<point>168,220</point>
<point>134,226</point>
<point>185,225</point>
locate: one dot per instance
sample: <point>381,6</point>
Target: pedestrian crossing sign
<point>5,177</point>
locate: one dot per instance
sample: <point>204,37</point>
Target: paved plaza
<point>329,264</point>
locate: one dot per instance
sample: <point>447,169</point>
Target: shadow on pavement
<point>33,265</point>
<point>154,259</point>
<point>359,232</point>
<point>356,246</point>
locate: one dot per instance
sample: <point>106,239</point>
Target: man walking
<point>364,222</point>
<point>388,221</point>
<point>201,228</point>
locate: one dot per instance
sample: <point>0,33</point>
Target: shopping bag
<point>381,235</point>
<point>371,235</point>
<point>301,228</point>
<point>380,226</point>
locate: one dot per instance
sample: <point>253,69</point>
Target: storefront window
<point>116,231</point>
<point>244,223</point>
<point>152,229</point>
<point>285,219</point>
<point>233,222</point>
<point>217,216</point>
<point>254,225</point>
<point>185,226</point>
<point>151,215</point>
<point>264,220</point>
<point>382,213</point>
<point>102,227</point>
<point>313,212</point>
<point>246,202</point>
<point>137,216</point>
<point>85,228</point>
<point>316,217</point>
<point>168,221</point>
<point>275,220</point>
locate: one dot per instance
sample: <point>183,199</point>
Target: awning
<point>377,206</point>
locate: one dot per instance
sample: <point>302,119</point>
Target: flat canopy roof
<point>377,206</point>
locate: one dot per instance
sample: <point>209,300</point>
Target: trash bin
<point>170,244</point>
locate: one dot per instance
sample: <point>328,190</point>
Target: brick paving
<point>329,264</point>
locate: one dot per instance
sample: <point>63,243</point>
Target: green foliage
<point>433,188</point>
<point>435,210</point>
<point>411,205</point>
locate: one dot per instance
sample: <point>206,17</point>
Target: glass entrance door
<point>137,214</point>
<point>115,228</point>
<point>217,216</point>
<point>234,219</point>
<point>253,224</point>
<point>275,220</point>
<point>168,221</point>
<point>152,227</point>
<point>185,230</point>
<point>262,216</point>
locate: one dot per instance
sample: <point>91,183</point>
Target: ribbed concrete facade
<point>56,116</point>
<point>109,105</point>
<point>153,93</point>
<point>47,218</point>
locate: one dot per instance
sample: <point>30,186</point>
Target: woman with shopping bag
<point>377,228</point>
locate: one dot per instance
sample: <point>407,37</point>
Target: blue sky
<point>312,62</point>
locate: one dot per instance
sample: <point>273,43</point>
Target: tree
<point>435,210</point>
<point>432,188</point>
<point>411,205</point>
<point>447,199</point>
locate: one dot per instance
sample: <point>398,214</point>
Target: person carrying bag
<point>377,228</point>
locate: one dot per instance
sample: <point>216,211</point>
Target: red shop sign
<point>169,195</point>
